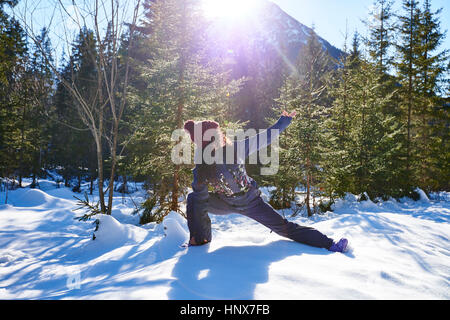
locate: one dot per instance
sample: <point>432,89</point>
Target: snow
<point>400,250</point>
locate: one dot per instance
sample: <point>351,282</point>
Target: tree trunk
<point>113,166</point>
<point>410,102</point>
<point>125,184</point>
<point>6,191</point>
<point>91,186</point>
<point>308,187</point>
<point>308,191</point>
<point>381,36</point>
<point>362,149</point>
<point>22,139</point>
<point>97,133</point>
<point>101,193</point>
<point>175,187</point>
<point>33,183</point>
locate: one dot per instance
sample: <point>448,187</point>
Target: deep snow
<point>400,251</point>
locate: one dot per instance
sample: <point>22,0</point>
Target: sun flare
<point>228,8</point>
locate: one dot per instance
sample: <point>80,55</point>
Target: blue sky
<point>330,16</point>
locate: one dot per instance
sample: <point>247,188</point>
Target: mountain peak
<point>266,24</point>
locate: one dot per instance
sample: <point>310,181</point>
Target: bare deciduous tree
<point>110,22</point>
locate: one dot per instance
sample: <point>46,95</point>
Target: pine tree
<point>372,132</point>
<point>72,149</point>
<point>382,37</point>
<point>431,65</point>
<point>419,69</point>
<point>41,92</point>
<point>69,137</point>
<point>305,92</point>
<point>363,141</point>
<point>181,84</point>
<point>287,179</point>
<point>355,52</point>
<point>381,34</point>
<point>13,57</point>
<point>337,160</point>
<point>407,49</point>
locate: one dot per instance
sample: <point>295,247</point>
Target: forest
<point>372,117</point>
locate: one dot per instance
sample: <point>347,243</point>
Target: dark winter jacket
<point>232,179</point>
<point>234,187</point>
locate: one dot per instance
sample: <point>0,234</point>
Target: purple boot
<point>340,246</point>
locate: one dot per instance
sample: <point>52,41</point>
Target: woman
<point>235,192</point>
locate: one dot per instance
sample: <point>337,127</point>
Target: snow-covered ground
<point>400,250</point>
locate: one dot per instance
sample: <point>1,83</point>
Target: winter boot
<point>341,246</point>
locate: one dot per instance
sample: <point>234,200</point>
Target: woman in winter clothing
<point>235,192</point>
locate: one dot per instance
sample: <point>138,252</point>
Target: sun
<point>229,8</point>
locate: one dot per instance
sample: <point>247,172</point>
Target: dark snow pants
<point>251,205</point>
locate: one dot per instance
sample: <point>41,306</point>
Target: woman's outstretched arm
<point>250,145</point>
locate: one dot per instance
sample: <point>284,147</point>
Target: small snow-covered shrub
<point>152,212</point>
<point>325,205</point>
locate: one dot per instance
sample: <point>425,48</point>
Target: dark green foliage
<point>305,91</point>
<point>381,34</point>
<point>326,205</point>
<point>374,123</point>
<point>365,141</point>
<point>11,3</point>
<point>175,83</point>
<point>92,208</point>
<point>421,68</point>
<point>15,85</point>
<point>79,160</point>
<point>150,211</point>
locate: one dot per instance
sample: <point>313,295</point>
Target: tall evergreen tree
<point>70,143</point>
<point>355,52</point>
<point>363,142</point>
<point>13,57</point>
<point>419,68</point>
<point>337,160</point>
<point>381,34</point>
<point>181,84</point>
<point>42,81</point>
<point>408,49</point>
<point>305,91</point>
<point>431,65</point>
